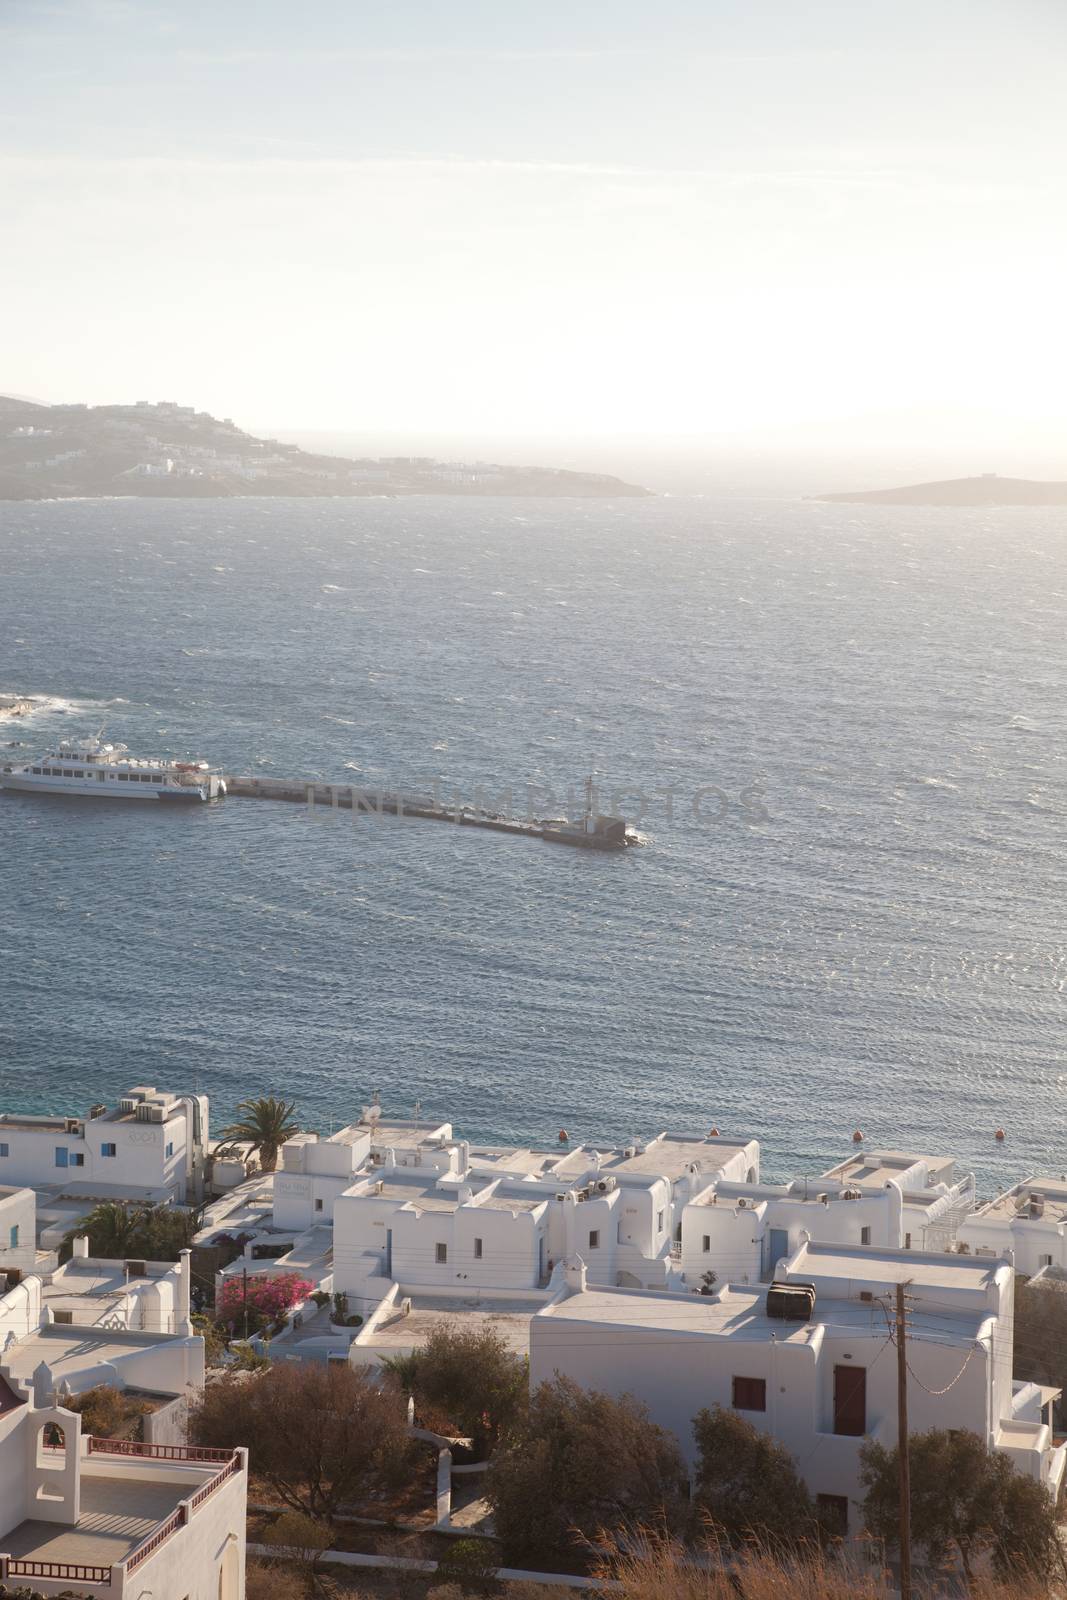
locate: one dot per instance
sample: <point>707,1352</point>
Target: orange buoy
<point>999,1136</point>
<point>564,1136</point>
<point>714,1134</point>
<point>857,1137</point>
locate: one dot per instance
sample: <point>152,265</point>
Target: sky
<point>763,223</point>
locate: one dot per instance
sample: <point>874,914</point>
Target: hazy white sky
<point>760,219</point>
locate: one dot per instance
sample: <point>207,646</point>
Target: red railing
<point>66,1571</point>
<point>176,1520</point>
<point>180,1517</point>
<point>156,1452</point>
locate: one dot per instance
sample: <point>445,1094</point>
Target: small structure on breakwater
<point>593,832</point>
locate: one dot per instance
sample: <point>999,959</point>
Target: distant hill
<point>988,490</point>
<point>169,451</point>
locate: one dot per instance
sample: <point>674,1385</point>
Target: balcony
<point>134,1498</point>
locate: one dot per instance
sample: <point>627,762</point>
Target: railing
<point>157,1452</point>
<point>65,1571</point>
<point>180,1517</point>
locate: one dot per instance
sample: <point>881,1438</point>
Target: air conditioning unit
<point>405,1306</point>
<point>96,1111</point>
<point>379,1187</point>
<point>605,1185</point>
<point>150,1113</point>
<point>742,1203</point>
<point>866,1296</point>
<point>823,1199</point>
<point>73,1126</point>
<point>561,1196</point>
<point>128,1104</point>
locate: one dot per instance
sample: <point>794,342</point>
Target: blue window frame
<point>169,1150</point>
<point>13,1238</point>
<point>109,1150</point>
<point>5,1150</point>
<point>61,1155</point>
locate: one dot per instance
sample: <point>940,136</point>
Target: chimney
<point>574,1274</point>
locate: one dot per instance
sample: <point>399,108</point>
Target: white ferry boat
<point>109,772</point>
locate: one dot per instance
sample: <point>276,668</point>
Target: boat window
<point>35,769</point>
<point>77,774</point>
<point>122,777</point>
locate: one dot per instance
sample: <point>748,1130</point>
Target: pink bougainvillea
<point>272,1295</point>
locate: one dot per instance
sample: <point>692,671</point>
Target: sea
<point>839,731</point>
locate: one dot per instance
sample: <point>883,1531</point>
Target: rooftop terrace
<point>872,1168</point>
<point>1038,1199</point>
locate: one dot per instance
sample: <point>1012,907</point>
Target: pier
<point>592,833</point>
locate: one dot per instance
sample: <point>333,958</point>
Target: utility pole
<point>244,1299</point>
<point>902,1447</point>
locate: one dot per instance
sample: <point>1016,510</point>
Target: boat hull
<point>103,791</point>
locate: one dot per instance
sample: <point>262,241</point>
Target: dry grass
<point>663,1572</point>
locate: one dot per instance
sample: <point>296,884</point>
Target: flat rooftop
<point>509,1318</point>
<point>670,1155</point>
<point>524,1163</point>
<point>871,1168</point>
<point>1016,1202</point>
<point>70,1350</point>
<point>402,1131</point>
<point>864,1265</point>
<point>511,1199</point>
<point>741,1313</point>
<point>117,1514</point>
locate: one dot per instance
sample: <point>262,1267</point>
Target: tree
<point>118,1230</point>
<point>747,1484</point>
<point>965,1499</point>
<point>264,1124</point>
<point>264,1296</point>
<point>580,1464</point>
<point>320,1436</point>
<point>469,1378</point>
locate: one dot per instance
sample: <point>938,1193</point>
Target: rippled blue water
<point>885,949</point>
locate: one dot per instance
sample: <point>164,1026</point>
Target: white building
<point>18,1233</point>
<point>1029,1222</point>
<point>741,1231</point>
<point>820,1387</point>
<point>113,1520</point>
<point>122,1323</point>
<point>936,1198</point>
<point>150,1147</point>
<point>312,1172</point>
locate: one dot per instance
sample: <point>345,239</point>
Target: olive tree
<point>747,1484</point>
<point>320,1436</point>
<point>578,1465</point>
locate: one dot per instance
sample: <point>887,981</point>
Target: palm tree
<point>112,1228</point>
<point>265,1125</point>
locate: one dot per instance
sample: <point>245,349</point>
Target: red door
<point>850,1400</point>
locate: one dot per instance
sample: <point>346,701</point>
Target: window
<point>13,1240</point>
<point>707,1244</point>
<point>109,1150</point>
<point>477,1249</point>
<point>318,1205</point>
<point>77,1159</point>
<point>832,1513</point>
<point>169,1151</point>
<point>594,1239</point>
<point>61,1156</point>
<point>123,777</point>
<point>37,770</point>
<point>5,1150</point>
<point>441,1254</point>
<point>659,1222</point>
<point>907,1241</point>
<point>865,1236</point>
<point>750,1394</point>
<point>1045,1261</point>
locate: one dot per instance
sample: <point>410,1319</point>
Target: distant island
<point>170,451</point>
<point>988,490</point>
